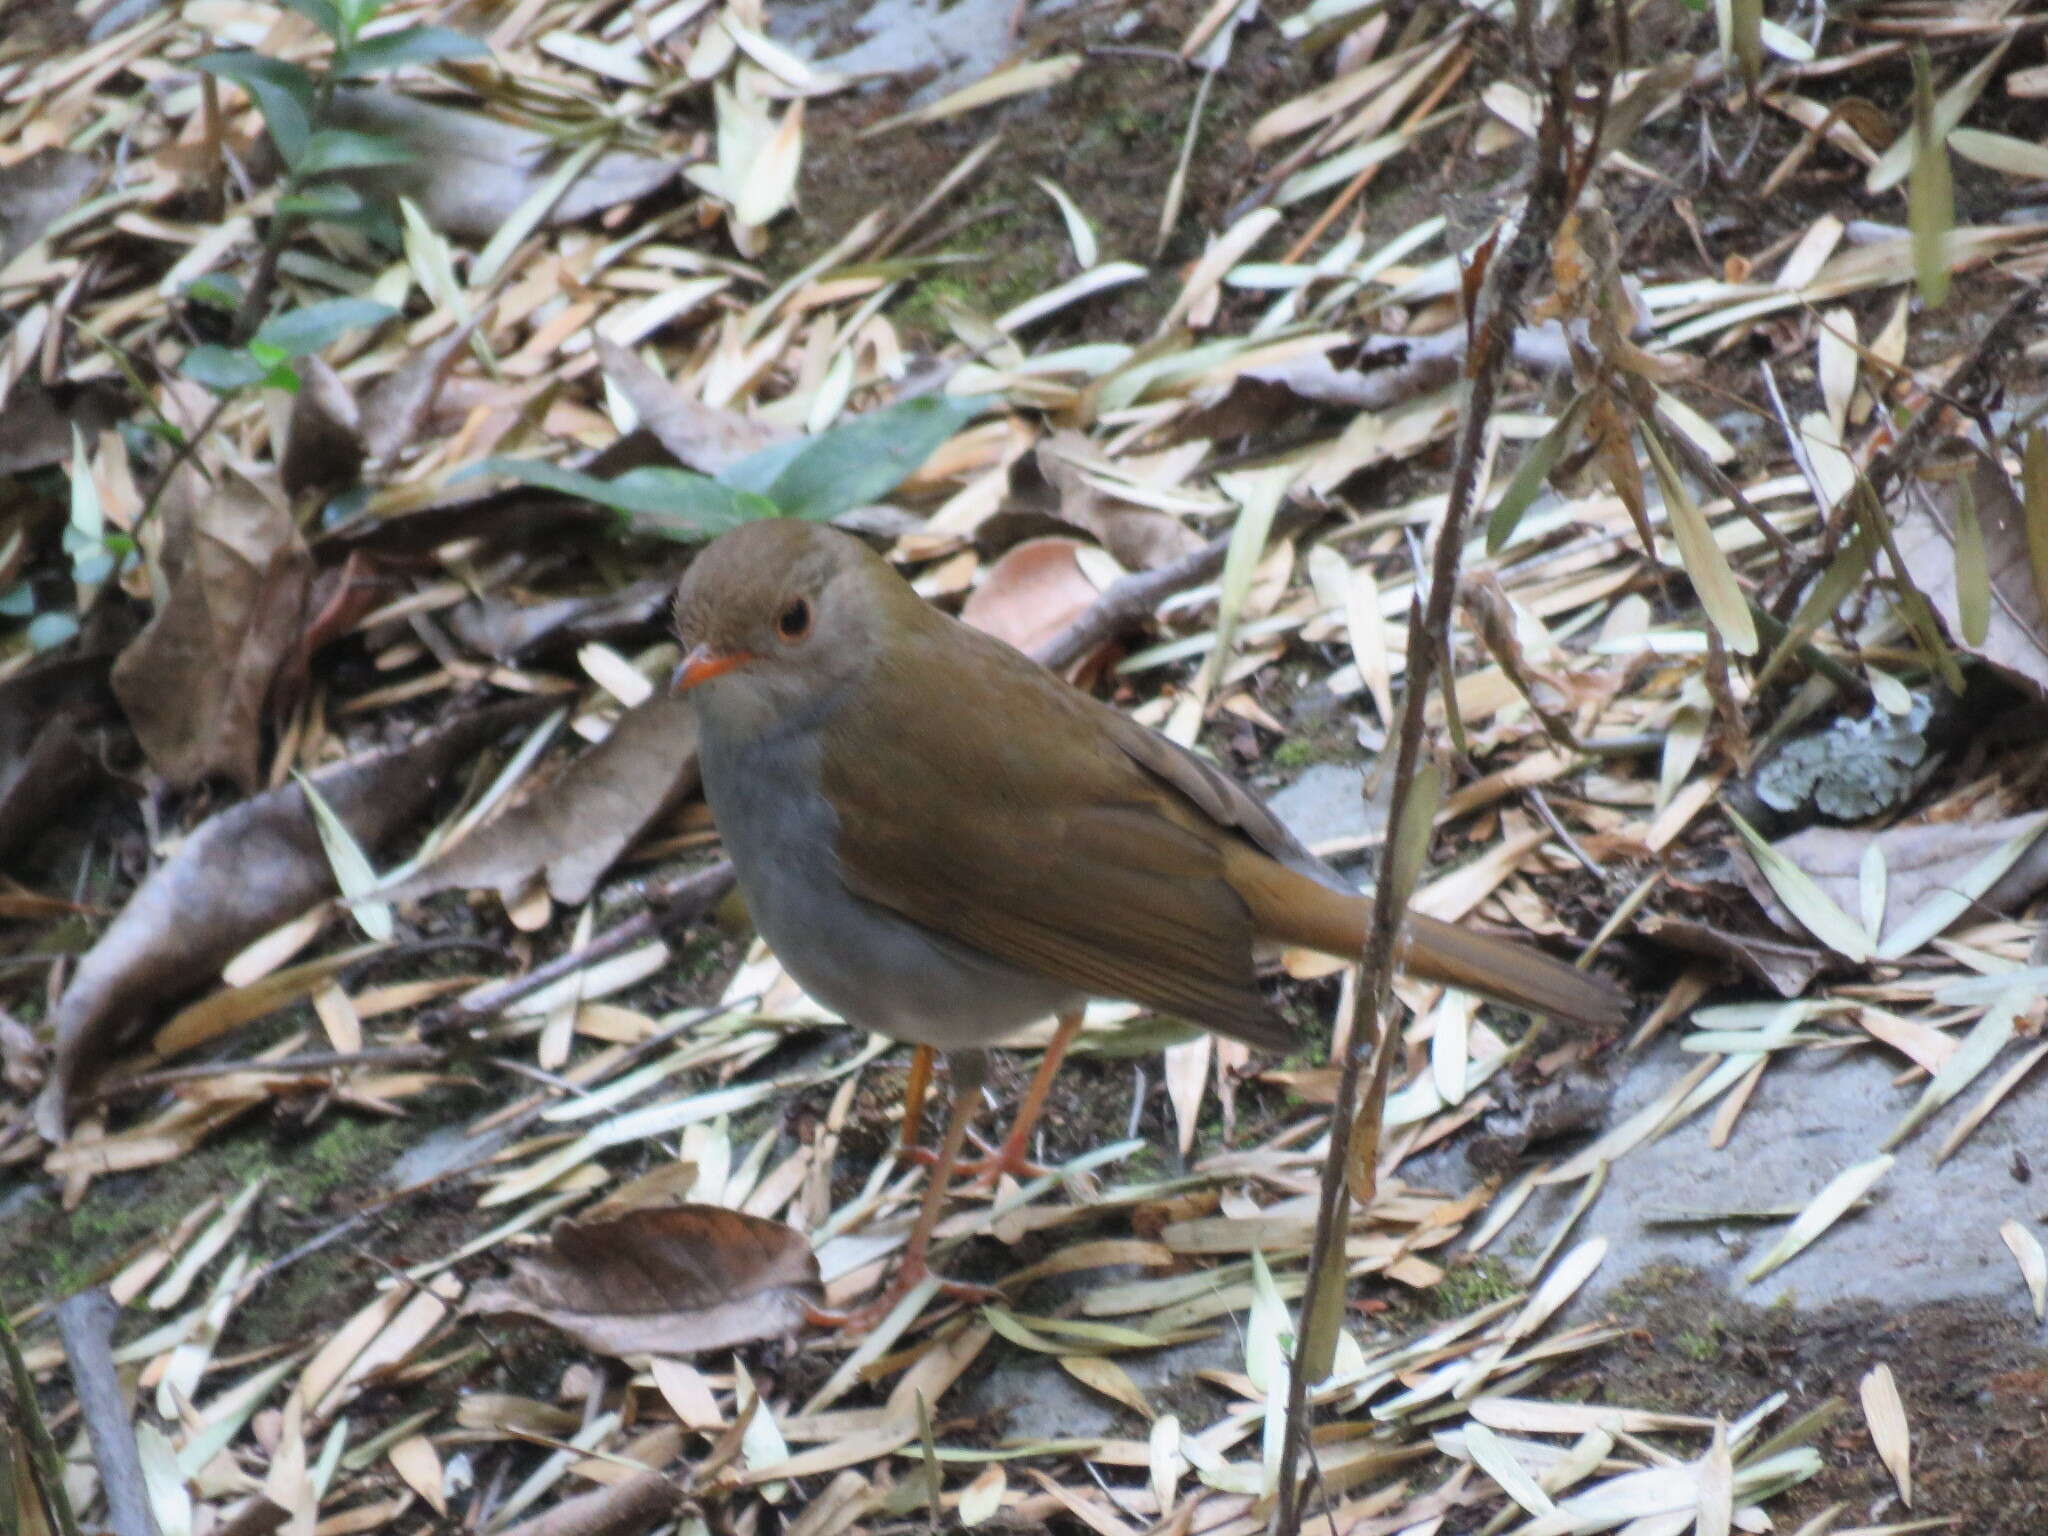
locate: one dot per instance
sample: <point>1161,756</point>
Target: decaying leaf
<point>470,174</point>
<point>1937,868</point>
<point>1033,592</point>
<point>197,682</point>
<point>38,190</point>
<point>2016,631</point>
<point>574,828</point>
<point>673,1281</point>
<point>233,879</point>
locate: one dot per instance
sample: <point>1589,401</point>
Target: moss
<point>1468,1286</point>
<point>1700,1348</point>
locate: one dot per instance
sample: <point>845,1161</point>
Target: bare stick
<point>85,1322</point>
<point>1493,323</point>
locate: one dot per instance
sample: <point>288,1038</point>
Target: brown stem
<point>1507,276</point>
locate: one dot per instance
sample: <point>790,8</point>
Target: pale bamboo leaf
<point>1934,914</point>
<point>351,866</point>
<point>1080,233</point>
<point>1497,1462</point>
<point>1805,900</point>
<point>1712,579</point>
<point>1948,109</point>
<point>1885,1413</point>
<point>2001,152</point>
<point>1987,1037</point>
<point>1871,891</point>
<point>2033,1262</point>
<point>1825,1209</point>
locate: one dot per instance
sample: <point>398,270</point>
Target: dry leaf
<point>574,828</point>
<point>673,1281</point>
<point>198,679</point>
<point>232,880</point>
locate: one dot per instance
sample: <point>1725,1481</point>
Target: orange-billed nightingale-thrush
<point>943,841</point>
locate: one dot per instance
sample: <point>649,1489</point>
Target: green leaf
<point>1930,190</point>
<point>1534,470</point>
<point>1973,570</point>
<point>855,463</point>
<point>345,149</point>
<point>283,93</point>
<point>413,45</point>
<point>18,601</point>
<point>297,332</point>
<point>320,12</point>
<point>221,369</point>
<point>324,200</point>
<point>216,290</point>
<point>672,503</point>
<point>2034,495</point>
<point>358,14</point>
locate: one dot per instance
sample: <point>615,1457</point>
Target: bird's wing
<point>1076,863</point>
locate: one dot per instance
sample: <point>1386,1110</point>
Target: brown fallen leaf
<point>35,192</point>
<point>700,437</point>
<point>1921,862</point>
<point>323,448</point>
<point>2016,637</point>
<point>1032,593</point>
<point>470,173</point>
<point>1788,969</point>
<point>672,1281</point>
<point>36,423</point>
<point>1141,538</point>
<point>46,755</point>
<point>195,683</point>
<point>233,879</point>
<point>575,827</point>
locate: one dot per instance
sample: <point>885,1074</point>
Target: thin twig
<point>1506,277</point>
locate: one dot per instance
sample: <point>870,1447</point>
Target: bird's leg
<point>914,1088</point>
<point>1010,1158</point>
<point>969,1070</point>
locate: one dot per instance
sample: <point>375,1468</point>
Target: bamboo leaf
<point>2033,1262</point>
<point>1885,1413</point>
<point>1930,191</point>
<point>1806,900</point>
<point>1826,1208</point>
<point>1713,581</point>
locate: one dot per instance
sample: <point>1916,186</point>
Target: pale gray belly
<point>873,968</point>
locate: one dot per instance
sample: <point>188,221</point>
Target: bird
<point>943,842</point>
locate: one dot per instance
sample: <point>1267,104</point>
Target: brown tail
<point>1294,909</point>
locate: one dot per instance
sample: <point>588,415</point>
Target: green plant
<point>295,104</point>
<point>816,477</point>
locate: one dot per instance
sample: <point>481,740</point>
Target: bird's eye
<point>794,622</point>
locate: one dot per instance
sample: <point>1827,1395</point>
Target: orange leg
<point>914,1089</point>
<point>969,1068</point>
<point>1010,1158</point>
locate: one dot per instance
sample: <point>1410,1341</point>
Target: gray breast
<point>872,967</point>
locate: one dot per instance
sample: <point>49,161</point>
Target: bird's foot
<point>984,1173</point>
<point>909,1275</point>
